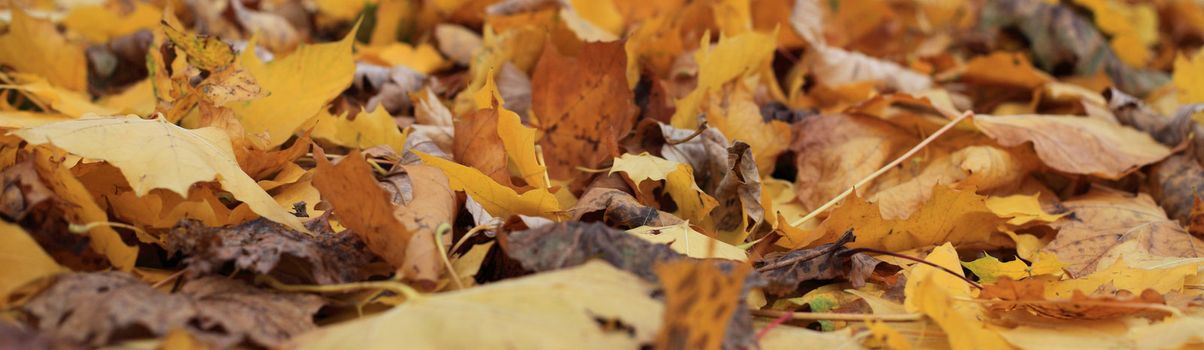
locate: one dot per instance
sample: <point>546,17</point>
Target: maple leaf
<point>34,46</point>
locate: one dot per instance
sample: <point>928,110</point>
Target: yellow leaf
<point>738,117</point>
<point>498,200</point>
<point>33,46</point>
<point>342,10</point>
<point>99,23</point>
<point>1021,209</point>
<point>102,238</point>
<point>1189,78</point>
<point>685,240</point>
<point>369,129</point>
<point>23,260</point>
<point>1122,277</point>
<point>551,310</point>
<point>988,268</point>
<point>204,52</point>
<point>601,13</point>
<point>733,57</point>
<point>692,203</point>
<point>517,139</point>
<point>423,59</point>
<point>67,102</point>
<point>937,294</point>
<point>955,216</point>
<point>1133,27</point>
<point>24,119</point>
<point>157,154</point>
<point>137,99</point>
<point>299,85</point>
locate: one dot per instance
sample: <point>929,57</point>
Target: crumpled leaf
<point>269,248</point>
<point>298,85</point>
<point>735,114</point>
<point>157,154</point>
<point>989,269</point>
<point>582,118</point>
<point>34,46</point>
<point>645,172</point>
<point>497,199</point>
<point>1076,145</point>
<point>618,209</point>
<point>1029,295</point>
<point>739,194</point>
<point>1104,219</point>
<point>100,308</point>
<point>521,313</point>
<point>785,271</point>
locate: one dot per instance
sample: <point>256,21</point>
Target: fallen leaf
<point>480,146</point>
<point>1021,209</point>
<point>689,242</point>
<point>157,154</point>
<point>829,261</point>
<point>100,308</point>
<point>522,313</point>
<point>363,206</point>
<point>733,57</point>
<point>1029,295</point>
<point>298,85</point>
<point>960,217</point>
<point>35,46</point>
<point>935,293</point>
<point>269,248</point>
<point>1003,68</point>
<point>692,204</point>
<point>739,194</point>
<point>1104,219</point>
<point>1076,145</point>
<point>700,300</point>
<point>618,209</point>
<point>737,116</point>
<point>1188,73</point>
<point>498,200</point>
<point>366,130</point>
<point>582,118</point>
<point>989,269</point>
<point>25,258</point>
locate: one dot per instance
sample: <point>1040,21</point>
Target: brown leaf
<point>1195,224</point>
<point>1076,145</point>
<point>478,145</point>
<point>104,307</point>
<point>705,152</point>
<point>1029,295</point>
<point>785,271</point>
<point>433,204</point>
<point>260,164</point>
<point>583,104</point>
<point>1173,183</point>
<point>618,209</point>
<point>266,247</point>
<point>1105,219</point>
<point>700,300</point>
<point>362,206</point>
<point>739,194</point>
<point>836,151</point>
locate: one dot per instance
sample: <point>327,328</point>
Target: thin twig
<point>451,270</point>
<point>173,277</point>
<point>701,128</point>
<point>833,249</point>
<point>918,260</point>
<point>833,316</point>
<point>883,170</point>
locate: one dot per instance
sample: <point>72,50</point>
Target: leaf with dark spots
<point>102,308</point>
<point>618,209</point>
<point>739,194</point>
<point>266,247</point>
<point>584,117</point>
<point>785,271</point>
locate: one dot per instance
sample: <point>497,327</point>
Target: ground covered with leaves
<point>612,174</point>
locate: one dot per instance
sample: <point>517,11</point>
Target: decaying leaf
<point>700,299</point>
<point>269,248</point>
<point>618,209</point>
<point>1030,296</point>
<point>100,308</point>
<point>829,261</point>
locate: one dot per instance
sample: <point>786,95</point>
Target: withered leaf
<point>584,105</point>
<point>266,247</point>
<point>700,299</point>
<point>785,271</point>
<point>739,194</point>
<point>362,205</point>
<point>104,307</point>
<point>1029,295</point>
<point>478,145</point>
<point>618,209</point>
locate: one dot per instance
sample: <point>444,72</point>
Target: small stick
<point>701,128</point>
<point>833,316</point>
<point>173,277</point>
<point>883,170</point>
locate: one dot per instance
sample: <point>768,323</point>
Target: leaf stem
<point>915,259</point>
<point>400,288</point>
<point>701,128</point>
<point>451,271</point>
<point>883,170</point>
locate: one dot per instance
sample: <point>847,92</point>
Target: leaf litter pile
<point>612,174</point>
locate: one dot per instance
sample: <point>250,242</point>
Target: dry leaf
<point>34,46</point>
<point>1029,295</point>
<point>25,260</point>
<point>700,299</point>
<point>363,206</point>
<point>1076,145</point>
<point>157,154</point>
<point>935,292</point>
<point>1104,219</point>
